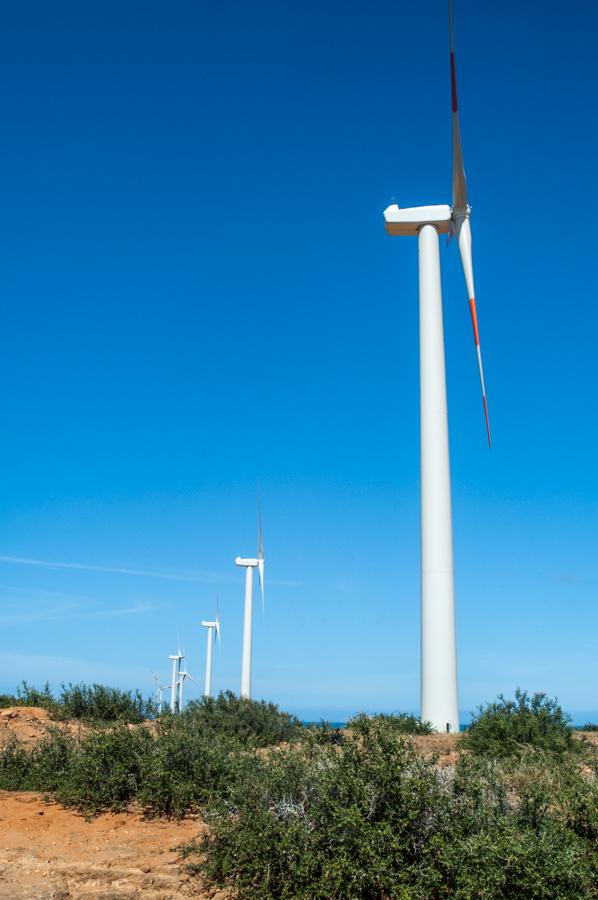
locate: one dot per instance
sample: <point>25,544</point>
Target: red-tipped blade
<point>476,336</point>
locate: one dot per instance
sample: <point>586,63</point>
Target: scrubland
<point>381,809</point>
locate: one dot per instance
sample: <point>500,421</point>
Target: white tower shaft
<point>247,625</point>
<point>208,685</point>
<point>173,683</point>
<point>439,703</point>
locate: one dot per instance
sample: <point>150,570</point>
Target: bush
<point>7,700</point>
<point>31,696</point>
<point>561,786</point>
<point>171,769</point>
<point>401,723</point>
<point>15,767</point>
<point>38,768</point>
<point>103,771</point>
<point>252,722</point>
<point>505,727</point>
<point>89,703</point>
<point>98,703</point>
<point>187,766</point>
<point>590,726</point>
<point>373,819</point>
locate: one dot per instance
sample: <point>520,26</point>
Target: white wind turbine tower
<point>438,645</point>
<point>249,565</point>
<point>211,626</point>
<point>159,692</point>
<point>176,664</point>
<point>183,674</point>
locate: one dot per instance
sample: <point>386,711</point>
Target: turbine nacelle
<point>408,221</point>
<point>247,563</point>
<point>210,624</point>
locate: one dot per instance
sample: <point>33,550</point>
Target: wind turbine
<point>176,663</point>
<point>249,565</point>
<point>182,675</point>
<point>438,645</point>
<point>211,626</point>
<point>159,691</point>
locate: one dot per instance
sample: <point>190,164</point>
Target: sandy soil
<point>50,853</point>
<point>29,724</point>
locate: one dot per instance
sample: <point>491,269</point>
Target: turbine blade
<point>260,546</point>
<point>464,234</point>
<point>459,182</point>
<point>260,550</point>
<point>260,569</point>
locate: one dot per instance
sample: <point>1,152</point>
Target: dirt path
<point>50,853</point>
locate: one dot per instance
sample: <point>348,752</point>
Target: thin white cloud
<point>205,577</point>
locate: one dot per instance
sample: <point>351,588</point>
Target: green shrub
<point>98,703</point>
<point>560,786</point>
<point>373,819</point>
<point>170,770</point>
<point>401,723</point>
<point>31,696</point>
<point>590,726</point>
<point>41,767</point>
<point>253,722</point>
<point>506,727</point>
<point>105,769</point>
<point>7,700</point>
<point>15,767</point>
<point>89,703</point>
<point>187,766</point>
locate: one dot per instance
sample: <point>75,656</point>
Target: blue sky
<point>198,295</point>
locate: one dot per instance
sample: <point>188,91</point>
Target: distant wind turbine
<point>211,626</point>
<point>249,565</point>
<point>438,644</point>
<point>176,663</point>
<point>159,691</point>
<point>183,674</point>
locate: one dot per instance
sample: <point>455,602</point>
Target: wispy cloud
<point>203,577</point>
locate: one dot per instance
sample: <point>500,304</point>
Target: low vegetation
<point>248,720</point>
<point>507,727</point>
<point>400,723</point>
<point>297,812</point>
<point>93,703</point>
<point>374,818</point>
<point>171,766</point>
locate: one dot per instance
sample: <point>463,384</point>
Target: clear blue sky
<point>198,294</point>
